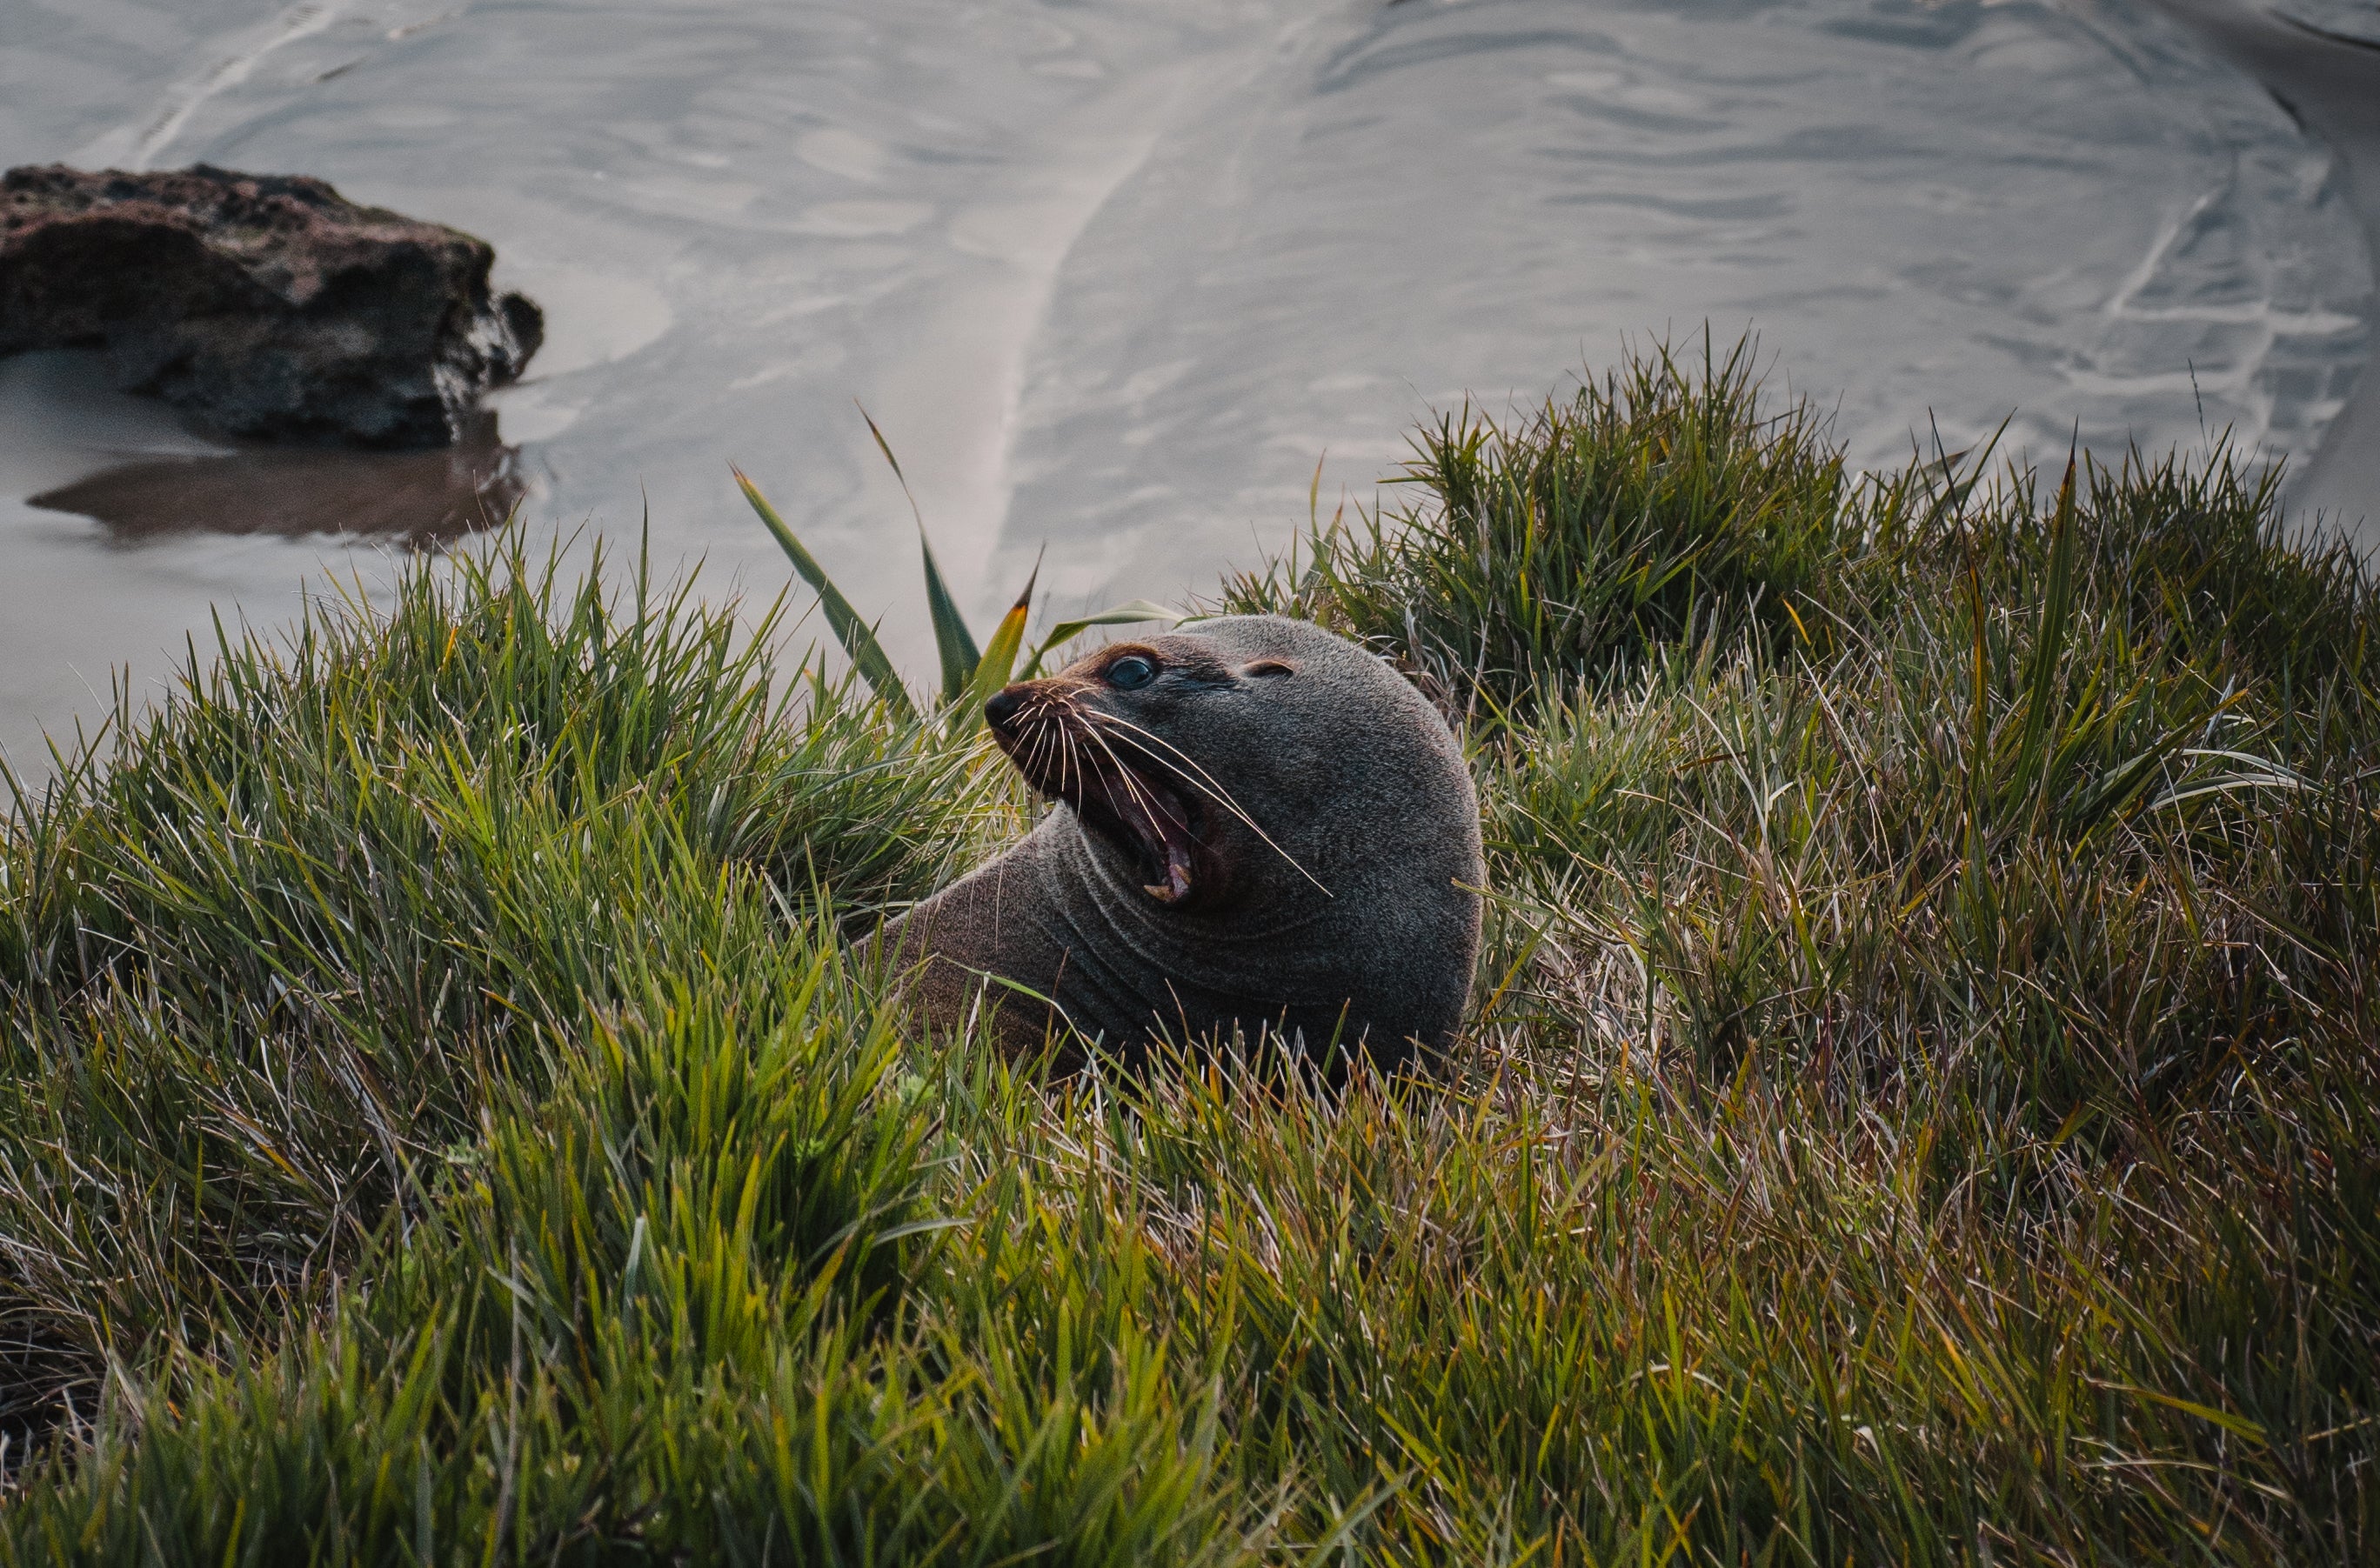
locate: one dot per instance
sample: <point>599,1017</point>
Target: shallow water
<point>2320,59</point>
<point>2355,19</point>
<point>1114,275</point>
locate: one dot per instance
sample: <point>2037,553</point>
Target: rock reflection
<point>412,497</point>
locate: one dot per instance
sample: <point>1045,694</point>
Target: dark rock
<point>266,305</point>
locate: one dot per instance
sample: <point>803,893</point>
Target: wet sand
<point>2330,83</point>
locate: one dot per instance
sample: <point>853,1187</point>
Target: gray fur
<point>1350,773</point>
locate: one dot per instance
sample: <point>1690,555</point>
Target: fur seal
<point>1258,826</point>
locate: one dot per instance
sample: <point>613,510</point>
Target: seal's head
<point>1117,737</point>
<point>1235,761</point>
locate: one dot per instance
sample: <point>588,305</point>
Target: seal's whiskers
<point>1206,782</point>
<point>1215,790</point>
<point>1174,859</point>
<point>1045,737</point>
<point>1141,798</point>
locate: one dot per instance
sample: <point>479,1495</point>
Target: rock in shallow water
<point>266,305</point>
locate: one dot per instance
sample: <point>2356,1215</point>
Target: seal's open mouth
<point>1146,816</point>
<point>1116,792</point>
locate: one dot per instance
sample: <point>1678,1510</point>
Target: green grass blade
<point>886,448</point>
<point>857,638</point>
<point>2050,645</point>
<point>1135,612</point>
<point>999,661</point>
<point>952,641</point>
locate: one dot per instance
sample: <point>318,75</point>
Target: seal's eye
<point>1131,672</point>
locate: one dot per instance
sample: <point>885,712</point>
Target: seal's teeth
<point>1177,886</point>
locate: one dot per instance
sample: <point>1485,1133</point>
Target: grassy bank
<point>1920,1104</point>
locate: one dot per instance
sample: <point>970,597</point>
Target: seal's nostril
<point>1002,707</point>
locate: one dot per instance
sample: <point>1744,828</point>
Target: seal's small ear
<point>1268,667</point>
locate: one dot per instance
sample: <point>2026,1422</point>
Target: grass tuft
<point>1918,1107</point>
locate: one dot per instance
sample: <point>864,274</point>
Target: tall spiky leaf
<point>999,661</point>
<point>858,639</point>
<point>2049,643</point>
<point>952,641</point>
